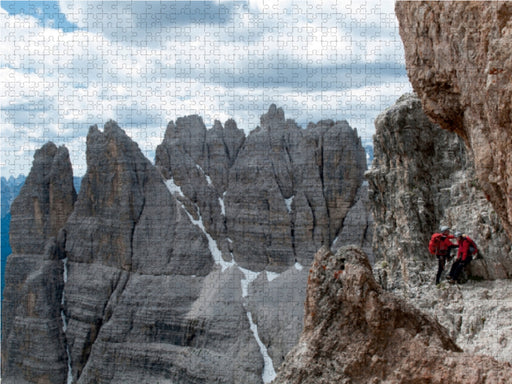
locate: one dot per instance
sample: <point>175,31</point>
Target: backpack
<point>433,244</point>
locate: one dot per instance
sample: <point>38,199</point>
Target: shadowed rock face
<point>356,332</point>
<point>422,178</point>
<point>44,202</point>
<point>458,61</point>
<point>33,341</point>
<point>153,288</point>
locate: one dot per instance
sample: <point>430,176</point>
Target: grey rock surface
<point>176,272</point>
<point>33,340</point>
<point>270,199</point>
<point>45,201</point>
<point>422,177</point>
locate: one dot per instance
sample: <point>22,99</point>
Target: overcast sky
<point>66,65</point>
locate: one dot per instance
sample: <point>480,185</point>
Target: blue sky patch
<point>47,12</point>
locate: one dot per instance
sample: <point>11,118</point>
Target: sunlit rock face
<point>459,63</point>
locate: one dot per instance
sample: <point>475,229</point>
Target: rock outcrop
<point>422,177</point>
<point>458,61</point>
<point>33,339</point>
<point>153,281</point>
<point>355,332</point>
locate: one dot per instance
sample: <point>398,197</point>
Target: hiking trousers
<point>441,262</point>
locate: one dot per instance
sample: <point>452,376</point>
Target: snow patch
<point>272,275</point>
<point>298,266</point>
<point>269,373</point>
<point>65,321</point>
<point>288,203</point>
<point>173,188</point>
<point>222,207</point>
<point>212,244</point>
<point>250,276</point>
<point>208,180</point>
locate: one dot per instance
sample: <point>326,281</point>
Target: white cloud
<point>55,84</point>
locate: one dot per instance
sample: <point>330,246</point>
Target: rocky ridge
<point>355,332</point>
<point>148,280</point>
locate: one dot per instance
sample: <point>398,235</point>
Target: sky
<point>67,65</point>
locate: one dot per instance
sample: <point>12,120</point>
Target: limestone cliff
<point>273,198</point>
<point>355,332</point>
<point>155,282</point>
<point>458,61</point>
<point>33,339</point>
<point>422,177</point>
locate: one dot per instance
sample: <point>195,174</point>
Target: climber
<point>467,249</point>
<point>440,245</point>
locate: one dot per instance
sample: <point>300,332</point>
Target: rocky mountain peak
<point>189,257</point>
<point>45,201</point>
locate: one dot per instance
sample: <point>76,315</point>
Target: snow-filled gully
<point>249,276</point>
<point>65,321</point>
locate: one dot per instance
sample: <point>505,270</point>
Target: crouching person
<point>467,250</point>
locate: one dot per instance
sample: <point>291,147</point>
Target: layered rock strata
<point>458,61</point>
<point>355,332</point>
<point>33,338</point>
<point>156,284</point>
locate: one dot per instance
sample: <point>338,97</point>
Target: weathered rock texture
<point>459,63</point>
<point>270,199</point>
<point>175,272</point>
<point>422,178</point>
<point>355,332</point>
<point>33,340</point>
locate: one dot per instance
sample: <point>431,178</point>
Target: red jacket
<point>441,244</point>
<point>466,247</point>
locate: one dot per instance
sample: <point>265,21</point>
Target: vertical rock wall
<point>33,340</point>
<point>458,60</point>
<point>422,178</point>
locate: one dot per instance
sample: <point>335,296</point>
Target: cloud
<point>146,63</point>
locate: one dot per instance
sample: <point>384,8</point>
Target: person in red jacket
<point>467,249</point>
<point>440,245</point>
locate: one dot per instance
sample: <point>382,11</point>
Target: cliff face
<point>422,177</point>
<point>458,61</point>
<point>150,278</point>
<point>273,198</point>
<point>354,332</point>
<point>32,332</point>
